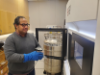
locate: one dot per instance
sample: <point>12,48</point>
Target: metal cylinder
<point>51,48</point>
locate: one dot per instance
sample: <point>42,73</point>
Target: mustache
<point>26,28</point>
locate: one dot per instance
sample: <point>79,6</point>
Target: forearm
<point>12,56</point>
<point>16,58</point>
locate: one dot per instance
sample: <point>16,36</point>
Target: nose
<point>26,26</point>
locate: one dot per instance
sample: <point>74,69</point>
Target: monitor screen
<point>78,54</point>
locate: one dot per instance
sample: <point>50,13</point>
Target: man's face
<point>22,27</point>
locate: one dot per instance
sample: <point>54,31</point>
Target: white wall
<point>44,13</point>
<point>96,61</point>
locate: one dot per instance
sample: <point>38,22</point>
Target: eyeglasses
<point>25,25</point>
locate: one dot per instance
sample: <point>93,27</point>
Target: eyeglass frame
<point>23,25</point>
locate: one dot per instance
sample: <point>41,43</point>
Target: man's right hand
<point>33,56</point>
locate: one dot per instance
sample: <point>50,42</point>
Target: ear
<point>16,26</point>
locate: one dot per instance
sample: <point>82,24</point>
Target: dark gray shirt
<point>15,46</point>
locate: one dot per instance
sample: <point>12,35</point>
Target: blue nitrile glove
<point>33,56</point>
<point>40,55</point>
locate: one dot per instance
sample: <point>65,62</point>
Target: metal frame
<point>64,42</point>
<point>87,60</point>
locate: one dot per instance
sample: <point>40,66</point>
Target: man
<point>20,49</point>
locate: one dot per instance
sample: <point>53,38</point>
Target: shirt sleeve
<point>10,52</point>
<point>37,44</point>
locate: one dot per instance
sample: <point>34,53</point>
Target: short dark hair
<point>16,21</point>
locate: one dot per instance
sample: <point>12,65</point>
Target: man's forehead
<point>23,20</point>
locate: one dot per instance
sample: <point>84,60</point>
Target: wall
<point>96,61</point>
<point>15,6</point>
<point>43,13</point>
<point>9,9</point>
